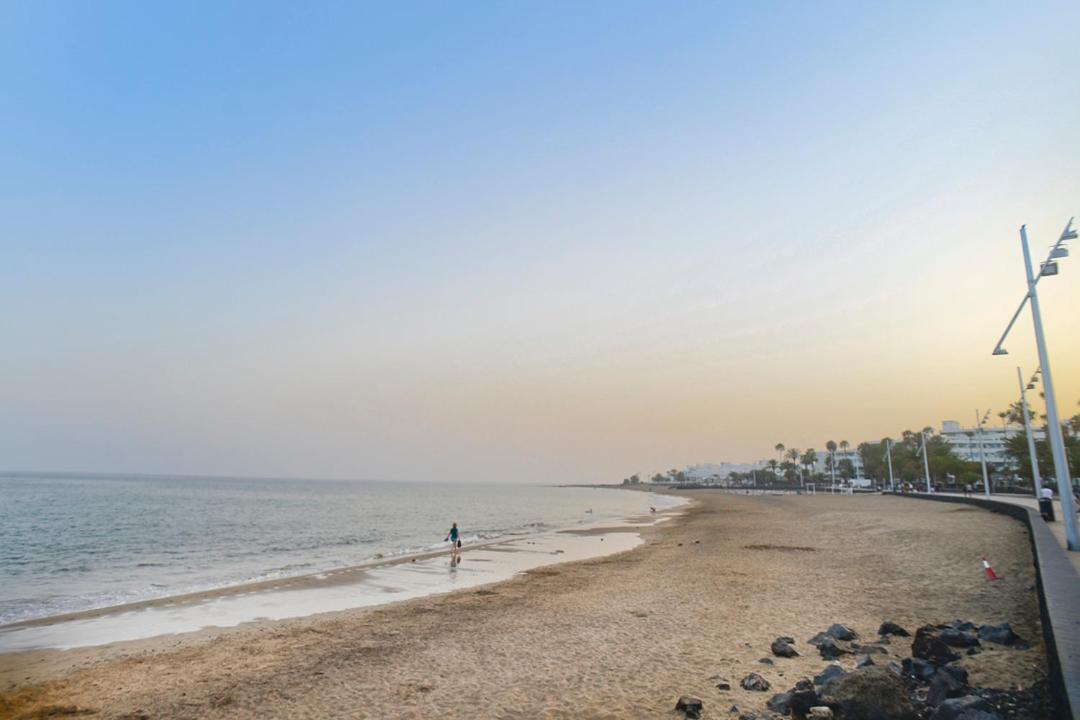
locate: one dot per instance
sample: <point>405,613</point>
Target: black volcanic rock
<point>929,645</point>
<point>890,628</point>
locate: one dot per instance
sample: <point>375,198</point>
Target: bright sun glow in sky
<point>556,242</point>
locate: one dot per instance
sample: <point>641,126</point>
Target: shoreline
<point>253,534</point>
<point>617,636</point>
<point>359,578</point>
<point>19,668</point>
<point>269,580</point>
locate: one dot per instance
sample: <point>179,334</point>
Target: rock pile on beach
<point>796,702</point>
<point>831,643</point>
<point>783,647</point>
<point>754,682</point>
<point>890,628</point>
<point>928,685</point>
<point>690,707</point>
<point>871,693</point>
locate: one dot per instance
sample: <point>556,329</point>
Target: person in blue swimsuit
<point>455,543</point>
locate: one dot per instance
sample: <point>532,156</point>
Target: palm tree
<point>793,456</point>
<point>1015,413</point>
<point>808,459</point>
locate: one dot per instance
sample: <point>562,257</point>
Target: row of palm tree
<point>808,458</point>
<point>794,465</point>
<point>802,460</point>
<point>945,465</point>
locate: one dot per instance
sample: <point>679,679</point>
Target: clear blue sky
<point>494,241</point>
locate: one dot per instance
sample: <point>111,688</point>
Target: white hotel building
<point>965,441</point>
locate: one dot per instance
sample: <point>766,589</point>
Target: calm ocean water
<point>74,543</point>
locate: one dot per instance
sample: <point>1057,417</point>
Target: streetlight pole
<point>1036,480</point>
<point>1057,442</point>
<point>926,463</point>
<point>832,471</point>
<point>888,457</point>
<point>982,454</point>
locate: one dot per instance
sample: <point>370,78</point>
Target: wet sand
<point>368,585</point>
<point>621,636</point>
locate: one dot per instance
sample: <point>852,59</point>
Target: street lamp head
<point>1059,252</point>
<point>1000,351</point>
<point>1031,386</point>
<point>1068,233</point>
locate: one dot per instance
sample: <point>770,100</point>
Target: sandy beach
<point>614,637</point>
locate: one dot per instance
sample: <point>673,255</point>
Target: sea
<point>79,542</point>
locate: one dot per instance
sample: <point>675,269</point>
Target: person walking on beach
<point>455,543</point>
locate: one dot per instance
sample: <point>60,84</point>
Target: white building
<point>717,473</point>
<point>965,441</point>
<point>840,455</point>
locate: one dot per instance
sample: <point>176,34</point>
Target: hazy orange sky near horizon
<point>522,244</point>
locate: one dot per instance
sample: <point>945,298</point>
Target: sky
<point>546,242</point>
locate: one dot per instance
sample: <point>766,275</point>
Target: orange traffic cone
<point>990,574</point>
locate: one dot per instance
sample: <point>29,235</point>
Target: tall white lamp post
<point>832,471</point>
<point>926,463</point>
<point>1053,429</point>
<point>1027,430</point>
<point>982,451</point>
<point>888,457</point>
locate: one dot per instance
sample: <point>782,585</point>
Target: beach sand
<point>615,637</point>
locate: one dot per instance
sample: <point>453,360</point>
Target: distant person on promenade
<point>1046,504</point>
<point>455,543</point>
<point>967,489</point>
